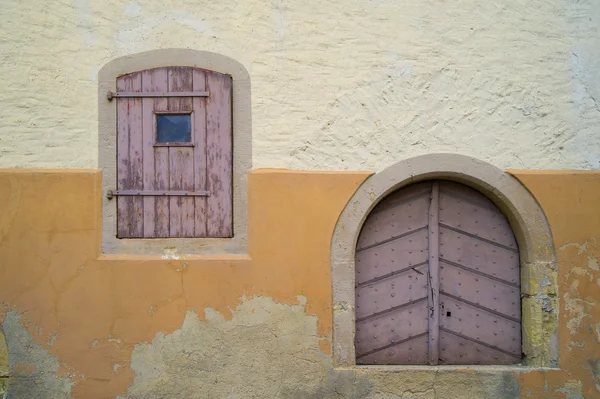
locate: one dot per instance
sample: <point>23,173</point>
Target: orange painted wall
<point>571,202</point>
<point>100,307</point>
<point>91,310</point>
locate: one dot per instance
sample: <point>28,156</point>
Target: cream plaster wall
<point>351,84</point>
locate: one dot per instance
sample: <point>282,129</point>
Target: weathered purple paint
<point>148,166</point>
<point>391,276</point>
<point>469,312</point>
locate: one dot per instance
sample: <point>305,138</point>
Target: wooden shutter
<point>186,187</point>
<point>437,280</point>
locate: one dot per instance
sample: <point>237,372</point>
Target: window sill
<point>168,248</point>
<point>167,144</point>
<point>175,256</point>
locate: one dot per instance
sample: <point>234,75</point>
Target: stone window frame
<point>242,152</point>
<point>536,250</point>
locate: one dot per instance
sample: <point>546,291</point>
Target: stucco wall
<point>336,85</point>
<point>4,367</point>
<point>82,325</point>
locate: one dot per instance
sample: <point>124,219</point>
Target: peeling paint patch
<point>325,345</point>
<point>572,390</point>
<point>593,263</point>
<point>170,253</point>
<point>34,371</point>
<point>211,358</point>
<point>595,367</point>
<point>3,356</point>
<point>581,248</point>
<point>574,306</point>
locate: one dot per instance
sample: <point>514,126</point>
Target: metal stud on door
<point>437,280</point>
<point>391,280</point>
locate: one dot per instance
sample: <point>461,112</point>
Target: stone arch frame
<point>526,217</point>
<point>242,151</point>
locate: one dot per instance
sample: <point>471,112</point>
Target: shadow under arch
<point>526,218</point>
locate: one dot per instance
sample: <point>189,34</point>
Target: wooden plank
<point>157,193</point>
<point>123,204</point>
<point>390,293</point>
<point>176,166</point>
<point>391,257</point>
<point>136,157</point>
<point>457,350</point>
<point>148,82</point>
<point>434,276</point>
<point>129,153</point>
<point>485,222</point>
<point>219,156</point>
<point>480,256</point>
<point>162,214</point>
<point>391,327</point>
<point>187,204</point>
<point>162,94</point>
<point>481,326</point>
<point>181,176</point>
<point>413,351</point>
<point>397,215</point>
<point>199,140</point>
<point>468,194</point>
<point>153,80</point>
<point>475,288</point>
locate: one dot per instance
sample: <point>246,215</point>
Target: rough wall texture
<point>336,85</point>
<point>82,325</point>
<point>4,367</point>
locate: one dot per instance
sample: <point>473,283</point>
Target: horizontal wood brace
<point>393,309</point>
<point>509,353</point>
<point>127,94</point>
<point>156,193</point>
<point>392,274</point>
<point>481,307</point>
<point>393,343</point>
<point>390,239</point>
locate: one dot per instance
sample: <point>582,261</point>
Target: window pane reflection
<point>174,128</point>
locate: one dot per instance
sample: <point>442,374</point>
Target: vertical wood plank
<point>199,134</point>
<point>123,203</point>
<point>181,176</point>
<point>433,297</point>
<point>136,158</point>
<point>162,215</point>
<point>129,154</point>
<point>219,156</point>
<point>152,80</point>
<point>175,183</point>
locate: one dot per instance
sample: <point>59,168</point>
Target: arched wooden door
<point>437,280</point>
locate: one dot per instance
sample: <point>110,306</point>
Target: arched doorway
<point>437,280</point>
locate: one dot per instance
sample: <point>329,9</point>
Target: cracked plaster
<point>211,358</point>
<point>34,373</point>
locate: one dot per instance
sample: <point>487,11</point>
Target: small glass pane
<point>173,128</point>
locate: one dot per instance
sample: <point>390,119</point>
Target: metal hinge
<point>157,193</point>
<point>127,94</point>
